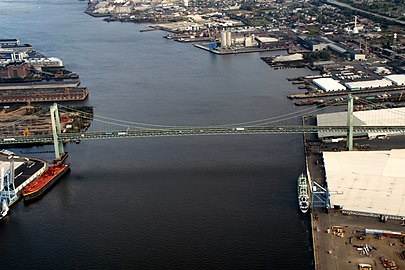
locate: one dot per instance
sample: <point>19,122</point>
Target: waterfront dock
<point>235,50</point>
<point>57,94</point>
<point>28,76</point>
<point>339,240</point>
<point>25,171</point>
<point>345,93</point>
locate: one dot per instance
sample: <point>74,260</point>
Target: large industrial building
<point>329,84</point>
<point>384,117</point>
<point>368,84</point>
<point>370,183</point>
<point>397,79</point>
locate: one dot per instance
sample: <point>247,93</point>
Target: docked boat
<point>4,209</point>
<point>303,196</point>
<point>38,186</point>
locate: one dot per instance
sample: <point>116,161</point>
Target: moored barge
<point>43,182</point>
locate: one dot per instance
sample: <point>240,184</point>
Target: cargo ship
<point>303,196</point>
<point>38,186</point>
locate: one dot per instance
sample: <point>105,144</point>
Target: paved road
<point>26,170</point>
<point>364,11</point>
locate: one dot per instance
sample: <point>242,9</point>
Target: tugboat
<point>303,196</point>
<point>4,209</point>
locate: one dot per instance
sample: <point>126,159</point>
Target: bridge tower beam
<point>56,131</point>
<point>350,123</point>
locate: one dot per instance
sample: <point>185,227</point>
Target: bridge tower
<point>350,122</point>
<point>56,131</point>
<point>7,186</point>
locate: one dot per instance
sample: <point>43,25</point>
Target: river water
<point>216,202</point>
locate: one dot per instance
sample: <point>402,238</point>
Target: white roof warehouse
<point>368,84</point>
<point>383,117</point>
<point>397,79</point>
<point>368,183</point>
<point>329,84</point>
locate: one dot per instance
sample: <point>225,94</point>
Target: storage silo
<point>228,38</point>
<point>248,41</point>
<point>223,39</point>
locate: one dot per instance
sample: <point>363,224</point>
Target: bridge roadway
<point>196,131</point>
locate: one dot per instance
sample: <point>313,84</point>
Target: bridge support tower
<point>56,131</point>
<point>350,123</point>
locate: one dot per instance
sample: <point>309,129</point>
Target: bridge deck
<point>197,131</point>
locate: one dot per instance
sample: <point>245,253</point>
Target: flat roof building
<point>337,49</point>
<point>368,84</point>
<point>397,79</point>
<point>370,183</point>
<point>383,117</point>
<point>288,58</point>
<point>312,44</point>
<point>329,84</point>
<point>266,39</point>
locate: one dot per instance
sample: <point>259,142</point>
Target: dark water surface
<point>218,202</point>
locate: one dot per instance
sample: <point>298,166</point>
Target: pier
<point>17,172</point>
<point>338,237</point>
<point>235,50</point>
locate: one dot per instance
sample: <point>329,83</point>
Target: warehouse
<point>397,79</point>
<point>288,58</point>
<point>328,84</point>
<point>356,189</point>
<point>384,117</point>
<point>338,50</point>
<point>368,84</point>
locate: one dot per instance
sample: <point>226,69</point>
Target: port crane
<point>8,193</point>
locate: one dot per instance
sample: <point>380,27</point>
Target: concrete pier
<point>236,50</point>
<point>332,250</point>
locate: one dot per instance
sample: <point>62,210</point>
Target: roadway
<point>337,3</point>
<point>195,131</point>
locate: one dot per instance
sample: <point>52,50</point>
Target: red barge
<point>38,186</point>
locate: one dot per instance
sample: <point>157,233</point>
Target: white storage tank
<point>223,39</point>
<point>228,38</point>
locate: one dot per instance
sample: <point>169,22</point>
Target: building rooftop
<point>368,84</point>
<point>383,117</point>
<point>329,84</point>
<point>398,79</point>
<point>367,182</point>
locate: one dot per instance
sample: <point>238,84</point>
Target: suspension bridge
<point>107,128</point>
<point>113,129</point>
